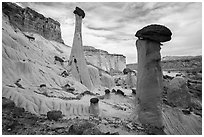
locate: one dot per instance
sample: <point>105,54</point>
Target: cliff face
<point>30,21</point>
<point>182,63</point>
<point>177,63</point>
<point>104,60</point>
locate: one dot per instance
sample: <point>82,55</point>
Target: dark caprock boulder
<point>154,32</point>
<point>79,12</point>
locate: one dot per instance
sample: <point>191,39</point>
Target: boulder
<point>113,90</point>
<point>154,32</point>
<point>126,71</point>
<point>120,92</point>
<point>177,93</point>
<point>80,127</point>
<point>79,12</point>
<point>133,91</point>
<point>107,91</point>
<point>54,115</point>
<point>107,80</point>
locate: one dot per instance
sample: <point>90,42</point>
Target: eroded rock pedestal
<point>149,78</point>
<point>149,83</point>
<point>79,68</point>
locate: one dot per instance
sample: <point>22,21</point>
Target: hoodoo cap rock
<point>79,12</point>
<point>94,100</point>
<point>154,32</point>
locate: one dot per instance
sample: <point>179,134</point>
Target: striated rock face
<point>104,60</point>
<point>31,21</point>
<point>177,63</point>
<point>182,63</point>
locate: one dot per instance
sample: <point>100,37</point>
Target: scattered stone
<point>120,92</point>
<point>71,89</point>
<point>18,84</point>
<point>94,100</point>
<point>115,133</point>
<point>113,90</point>
<point>80,127</point>
<point>178,75</point>
<point>126,71</point>
<point>167,77</point>
<point>107,91</point>
<point>54,115</point>
<point>67,85</point>
<point>186,112</point>
<point>154,32</point>
<point>29,37</point>
<point>64,74</point>
<point>58,59</point>
<point>87,93</point>
<point>103,121</point>
<point>133,91</point>
<point>42,85</point>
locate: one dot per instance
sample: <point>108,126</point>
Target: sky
<point>111,26</point>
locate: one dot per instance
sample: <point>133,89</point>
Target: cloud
<point>111,26</point>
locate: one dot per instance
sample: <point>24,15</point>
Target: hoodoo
<point>149,80</point>
<point>79,69</point>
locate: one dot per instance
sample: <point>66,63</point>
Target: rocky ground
<point>41,97</point>
<point>16,121</point>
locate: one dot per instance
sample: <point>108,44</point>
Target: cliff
<point>28,20</point>
<point>104,60</point>
<point>177,63</point>
<point>182,62</point>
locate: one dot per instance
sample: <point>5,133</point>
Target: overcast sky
<point>112,26</point>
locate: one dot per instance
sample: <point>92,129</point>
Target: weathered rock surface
<point>188,63</point>
<point>107,81</point>
<point>77,62</point>
<point>54,115</point>
<point>154,32</point>
<point>105,60</point>
<point>177,93</point>
<point>149,83</point>
<point>177,63</point>
<point>29,20</point>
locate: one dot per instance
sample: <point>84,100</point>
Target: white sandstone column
<point>79,68</point>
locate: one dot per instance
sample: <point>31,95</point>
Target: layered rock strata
<point>149,80</point>
<point>104,60</point>
<point>29,20</point>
